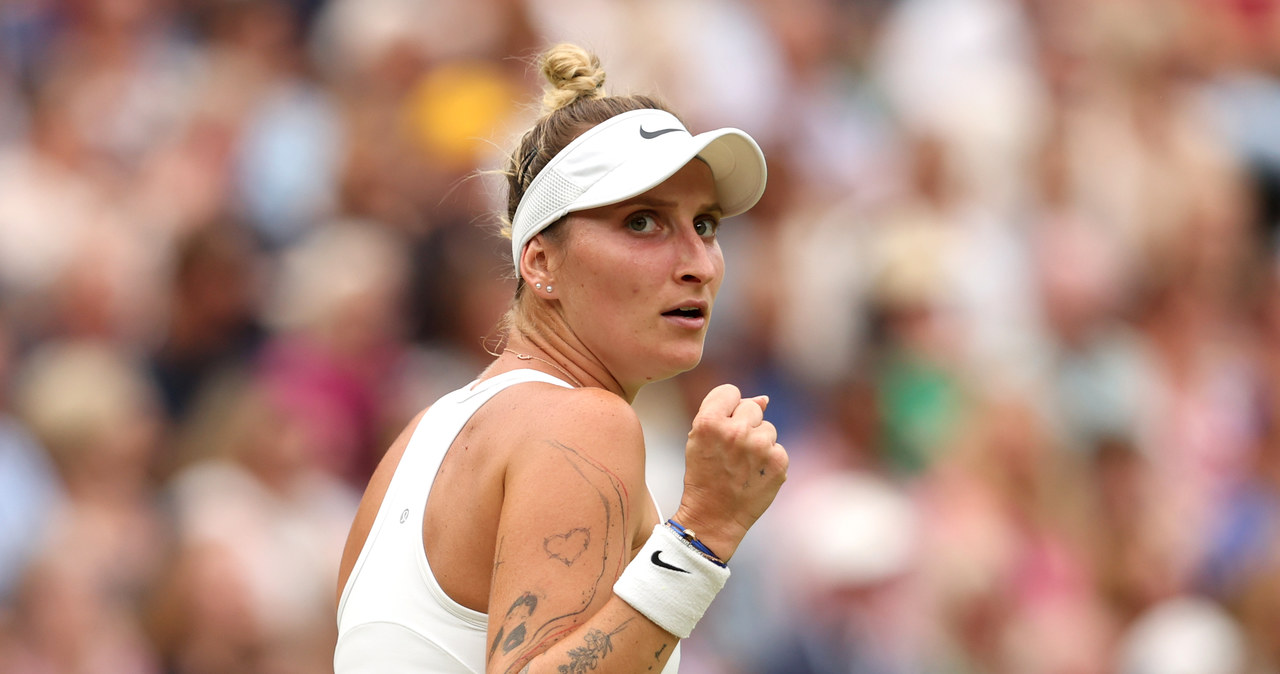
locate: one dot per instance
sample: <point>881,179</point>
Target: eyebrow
<point>655,202</point>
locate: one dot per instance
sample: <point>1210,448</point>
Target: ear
<point>535,264</point>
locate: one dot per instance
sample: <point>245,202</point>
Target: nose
<point>697,258</point>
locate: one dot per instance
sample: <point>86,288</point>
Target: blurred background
<point>1014,290</point>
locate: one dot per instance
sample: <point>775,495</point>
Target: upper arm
<point>571,495</point>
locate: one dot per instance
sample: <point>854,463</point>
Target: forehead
<point>694,179</point>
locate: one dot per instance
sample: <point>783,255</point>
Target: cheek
<point>718,256</point>
<point>624,276</point>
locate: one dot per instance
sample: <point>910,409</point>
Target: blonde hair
<point>573,73</point>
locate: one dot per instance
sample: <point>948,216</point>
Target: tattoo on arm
<point>568,547</point>
<point>514,639</point>
<point>529,603</point>
<point>596,646</point>
<point>657,656</point>
<point>497,558</point>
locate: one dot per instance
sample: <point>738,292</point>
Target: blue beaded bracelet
<point>692,539</point>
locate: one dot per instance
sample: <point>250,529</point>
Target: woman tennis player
<point>509,528</point>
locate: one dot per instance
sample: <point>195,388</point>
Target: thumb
<point>762,401</point>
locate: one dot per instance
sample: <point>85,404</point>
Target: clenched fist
<point>734,467</point>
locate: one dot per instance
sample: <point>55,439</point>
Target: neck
<point>550,351</point>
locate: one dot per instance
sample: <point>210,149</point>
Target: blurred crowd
<point>1014,290</point>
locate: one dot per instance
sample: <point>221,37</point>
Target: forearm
<point>617,638</point>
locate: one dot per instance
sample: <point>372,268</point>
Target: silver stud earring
<point>538,286</point>
<point>548,288</point>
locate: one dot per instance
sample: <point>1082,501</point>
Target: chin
<point>666,361</point>
<point>681,362</point>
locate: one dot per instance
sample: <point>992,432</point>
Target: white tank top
<point>393,617</point>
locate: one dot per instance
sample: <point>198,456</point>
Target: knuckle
<point>760,444</point>
<point>766,435</point>
<point>781,459</point>
<point>727,391</point>
<point>702,425</point>
<point>736,434</point>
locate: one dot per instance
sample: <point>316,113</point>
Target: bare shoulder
<point>557,435</point>
<point>592,421</point>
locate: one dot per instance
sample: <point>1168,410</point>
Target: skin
<point>540,502</point>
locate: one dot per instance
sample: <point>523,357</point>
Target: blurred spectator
<point>80,611</point>
<point>963,71</point>
<point>261,525</point>
<point>336,316</point>
<point>1097,366</point>
<point>1006,553</point>
<point>852,542</point>
<point>212,313</point>
<point>66,621</point>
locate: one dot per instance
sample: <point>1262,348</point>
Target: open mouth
<point>685,312</point>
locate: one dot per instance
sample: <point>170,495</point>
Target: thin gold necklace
<point>525,356</point>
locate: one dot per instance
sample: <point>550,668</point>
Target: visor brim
<point>737,166</point>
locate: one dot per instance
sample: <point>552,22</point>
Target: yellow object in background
<point>457,109</point>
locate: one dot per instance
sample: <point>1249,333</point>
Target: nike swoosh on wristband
<point>650,135</point>
<point>659,562</point>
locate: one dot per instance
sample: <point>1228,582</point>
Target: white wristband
<point>670,582</point>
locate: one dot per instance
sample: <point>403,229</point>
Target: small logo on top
<point>650,135</point>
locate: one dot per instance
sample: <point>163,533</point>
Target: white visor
<point>628,155</point>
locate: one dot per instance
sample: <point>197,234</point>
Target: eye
<point>706,226</point>
<point>642,222</point>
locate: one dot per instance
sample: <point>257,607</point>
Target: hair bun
<point>573,73</point>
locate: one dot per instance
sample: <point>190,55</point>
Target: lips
<point>684,312</point>
<point>691,309</point>
<point>692,315</point>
